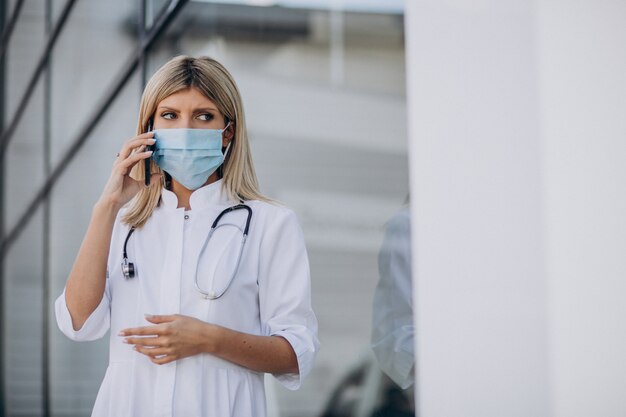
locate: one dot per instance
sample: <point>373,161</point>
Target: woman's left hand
<point>172,337</point>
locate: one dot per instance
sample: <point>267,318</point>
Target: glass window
<point>93,48</point>
<point>23,315</point>
<point>24,161</point>
<point>25,49</point>
<point>324,98</point>
<point>77,369</point>
<point>25,152</point>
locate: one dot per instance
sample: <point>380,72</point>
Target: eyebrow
<point>195,110</point>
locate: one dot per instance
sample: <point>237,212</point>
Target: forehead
<point>188,98</point>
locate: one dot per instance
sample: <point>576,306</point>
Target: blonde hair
<point>215,82</point>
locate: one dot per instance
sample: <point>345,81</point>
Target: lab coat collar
<point>207,195</point>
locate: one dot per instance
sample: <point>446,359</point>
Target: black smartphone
<point>147,160</point>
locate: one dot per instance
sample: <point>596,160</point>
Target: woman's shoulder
<point>271,207</point>
<point>121,213</point>
<point>120,225</point>
<point>273,212</point>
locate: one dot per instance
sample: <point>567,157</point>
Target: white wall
<point>516,126</point>
<point>582,51</point>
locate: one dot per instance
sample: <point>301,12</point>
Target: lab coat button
<point>186,216</point>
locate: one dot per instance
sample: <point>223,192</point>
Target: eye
<point>168,115</point>
<point>205,117</point>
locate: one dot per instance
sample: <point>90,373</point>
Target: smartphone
<point>146,161</point>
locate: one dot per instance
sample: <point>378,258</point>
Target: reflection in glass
<point>392,325</point>
<point>380,382</point>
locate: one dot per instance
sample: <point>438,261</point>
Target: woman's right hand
<point>121,188</point>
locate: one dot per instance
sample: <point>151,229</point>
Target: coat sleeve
<point>285,292</point>
<point>99,322</point>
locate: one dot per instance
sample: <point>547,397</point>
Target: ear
<point>229,135</point>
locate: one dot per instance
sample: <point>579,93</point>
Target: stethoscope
<point>128,268</point>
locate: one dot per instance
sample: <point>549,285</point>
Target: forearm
<point>86,283</point>
<point>272,354</point>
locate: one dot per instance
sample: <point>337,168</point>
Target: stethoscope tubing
<point>211,295</point>
<point>128,268</point>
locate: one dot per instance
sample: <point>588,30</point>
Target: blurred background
<point>323,84</point>
<point>507,116</point>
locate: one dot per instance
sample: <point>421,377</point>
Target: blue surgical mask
<point>189,155</point>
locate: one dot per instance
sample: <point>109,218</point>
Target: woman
<point>217,316</point>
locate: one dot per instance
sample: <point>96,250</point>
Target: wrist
<point>213,337</point>
<point>107,207</point>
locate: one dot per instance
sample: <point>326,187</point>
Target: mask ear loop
<point>220,170</point>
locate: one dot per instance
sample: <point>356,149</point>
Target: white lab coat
<point>392,324</point>
<point>269,296</point>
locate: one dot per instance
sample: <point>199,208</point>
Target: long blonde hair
<point>215,82</point>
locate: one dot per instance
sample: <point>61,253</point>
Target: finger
<point>163,359</point>
<point>145,341</point>
<point>144,135</point>
<point>146,138</point>
<point>152,352</point>
<point>160,318</point>
<point>140,148</point>
<point>143,139</point>
<point>123,166</point>
<point>144,330</point>
<point>137,149</point>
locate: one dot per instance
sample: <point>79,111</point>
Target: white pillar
<point>517,129</point>
<point>582,52</point>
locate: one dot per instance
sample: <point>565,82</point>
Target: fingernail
<point>125,340</point>
<point>153,139</point>
<point>121,333</point>
<point>149,152</point>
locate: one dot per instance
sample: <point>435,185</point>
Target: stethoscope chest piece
<point>128,268</point>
